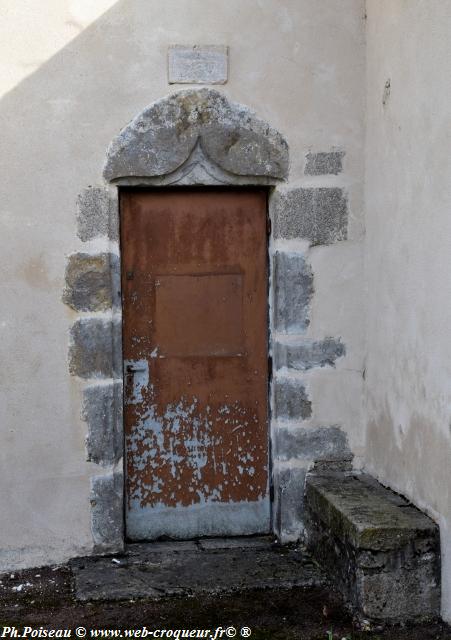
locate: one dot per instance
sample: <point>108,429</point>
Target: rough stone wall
<point>77,73</point>
<point>382,553</point>
<point>408,203</point>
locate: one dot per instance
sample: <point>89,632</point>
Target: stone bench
<point>382,552</point>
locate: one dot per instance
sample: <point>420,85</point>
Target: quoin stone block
<point>319,215</point>
<point>198,64</point>
<point>95,348</point>
<point>102,411</point>
<point>309,354</point>
<point>107,512</point>
<point>289,503</point>
<point>382,552</point>
<point>290,399</point>
<point>92,282</point>
<point>95,214</point>
<point>325,444</point>
<point>293,291</point>
<point>324,163</point>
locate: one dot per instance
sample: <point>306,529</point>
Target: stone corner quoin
<point>309,354</point>
<point>293,292</point>
<point>92,282</point>
<point>324,163</point>
<point>102,412</point>
<point>97,214</point>
<point>316,214</point>
<point>106,512</point>
<point>94,350</point>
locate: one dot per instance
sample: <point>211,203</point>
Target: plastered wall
<point>73,73</point>
<point>408,248</point>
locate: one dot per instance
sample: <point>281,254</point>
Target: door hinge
<point>268,226</point>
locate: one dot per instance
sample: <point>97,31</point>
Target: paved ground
<point>275,592</point>
<point>215,566</point>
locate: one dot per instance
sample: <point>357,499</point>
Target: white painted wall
<point>72,74</point>
<point>408,249</point>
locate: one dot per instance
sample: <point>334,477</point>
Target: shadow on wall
<point>58,121</point>
<point>56,126</point>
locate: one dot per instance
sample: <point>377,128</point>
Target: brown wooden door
<point>194,281</point>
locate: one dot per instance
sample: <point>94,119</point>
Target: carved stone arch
<point>192,137</point>
<point>197,137</point>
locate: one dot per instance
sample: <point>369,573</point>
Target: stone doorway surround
<point>200,138</point>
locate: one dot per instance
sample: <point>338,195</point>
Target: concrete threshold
<point>207,566</point>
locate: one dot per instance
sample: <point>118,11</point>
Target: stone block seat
<point>380,550</point>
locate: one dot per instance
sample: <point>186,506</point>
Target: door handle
<point>138,366</point>
<point>131,368</point>
<point>136,380</point>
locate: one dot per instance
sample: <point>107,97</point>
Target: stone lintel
<point>162,137</point>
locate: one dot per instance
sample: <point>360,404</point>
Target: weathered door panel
<point>194,279</point>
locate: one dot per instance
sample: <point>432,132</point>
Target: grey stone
<point>293,291</point>
<point>324,163</point>
<point>309,354</point>
<point>102,410</point>
<point>92,282</point>
<point>368,517</point>
<point>332,465</point>
<point>139,551</point>
<point>96,215</point>
<point>254,543</point>
<point>289,503</point>
<point>95,348</point>
<point>162,137</point>
<point>314,444</point>
<point>197,169</point>
<point>383,553</point>
<point>291,399</point>
<point>319,215</point>
<point>198,64</point>
<point>107,519</point>
<point>175,570</point>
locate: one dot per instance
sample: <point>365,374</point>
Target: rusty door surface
<point>194,282</point>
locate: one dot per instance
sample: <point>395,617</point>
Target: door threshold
<point>202,544</point>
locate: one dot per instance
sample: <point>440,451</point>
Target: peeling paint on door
<point>195,339</point>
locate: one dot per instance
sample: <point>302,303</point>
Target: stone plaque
<point>197,64</point>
